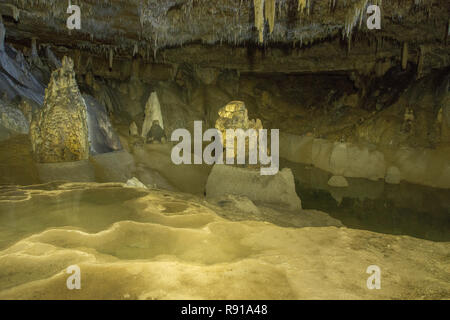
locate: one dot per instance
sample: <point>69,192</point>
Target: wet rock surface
<point>136,233</point>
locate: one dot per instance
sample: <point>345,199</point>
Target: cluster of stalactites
<point>355,14</point>
<point>266,9</point>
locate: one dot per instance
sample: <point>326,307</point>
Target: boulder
<point>393,175</point>
<point>338,181</point>
<point>59,132</point>
<point>115,166</point>
<point>278,189</point>
<point>156,133</point>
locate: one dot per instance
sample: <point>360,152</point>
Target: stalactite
<point>111,58</point>
<point>259,18</point>
<point>447,35</point>
<point>405,56</point>
<point>270,13</point>
<point>302,5</point>
<point>16,13</point>
<point>420,61</point>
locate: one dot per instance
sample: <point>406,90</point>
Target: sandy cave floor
<point>152,244</point>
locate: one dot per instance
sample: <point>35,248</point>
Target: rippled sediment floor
<point>150,244</point>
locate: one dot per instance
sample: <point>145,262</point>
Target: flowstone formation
<point>59,133</point>
<point>235,116</point>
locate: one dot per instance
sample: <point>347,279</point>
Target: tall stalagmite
<point>152,112</point>
<point>59,132</point>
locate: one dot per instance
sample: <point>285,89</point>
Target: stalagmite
<point>152,112</point>
<point>405,56</point>
<point>34,53</point>
<point>59,132</point>
<point>135,50</point>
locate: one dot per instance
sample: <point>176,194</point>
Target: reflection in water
<point>404,209</point>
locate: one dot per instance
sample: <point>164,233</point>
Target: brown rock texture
<point>59,132</point>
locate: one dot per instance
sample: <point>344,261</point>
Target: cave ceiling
<point>321,33</point>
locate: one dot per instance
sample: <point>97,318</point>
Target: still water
<point>404,209</point>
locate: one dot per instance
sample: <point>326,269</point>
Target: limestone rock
<point>52,59</point>
<point>118,166</point>
<point>135,183</point>
<point>133,131</point>
<point>278,189</point>
<point>237,203</point>
<point>2,36</point>
<point>173,107</point>
<point>393,175</point>
<point>59,132</point>
<point>338,181</point>
<point>445,121</point>
<point>28,108</point>
<point>207,75</point>
<point>152,113</point>
<point>76,171</point>
<point>153,178</point>
<point>102,137</point>
<point>13,119</point>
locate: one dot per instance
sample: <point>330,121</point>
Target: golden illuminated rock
<point>235,116</point>
<point>59,132</point>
